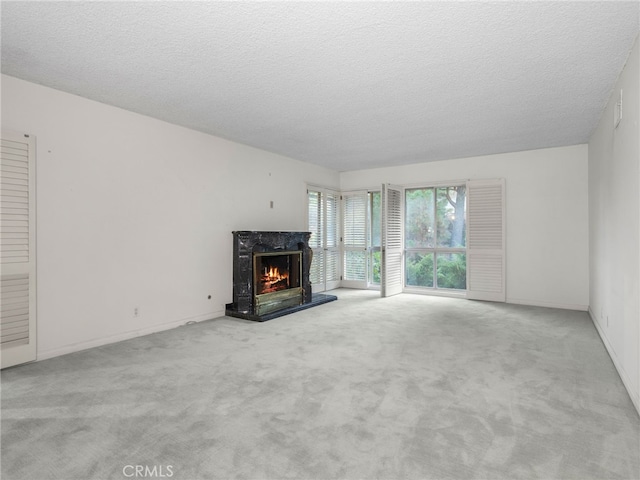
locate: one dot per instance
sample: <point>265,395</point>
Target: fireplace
<point>270,272</point>
<point>271,275</point>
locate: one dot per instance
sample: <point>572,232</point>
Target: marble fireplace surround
<point>245,244</point>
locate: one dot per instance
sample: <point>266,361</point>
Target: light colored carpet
<point>362,388</point>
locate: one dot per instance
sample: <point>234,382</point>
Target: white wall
<point>135,212</point>
<point>547,216</point>
<point>614,214</point>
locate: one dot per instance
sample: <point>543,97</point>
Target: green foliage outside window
<point>452,271</point>
<point>419,270</point>
<point>435,220</point>
<point>376,260</point>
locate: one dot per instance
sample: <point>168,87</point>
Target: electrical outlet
<point>136,311</point>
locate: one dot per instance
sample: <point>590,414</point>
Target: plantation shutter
<point>332,246</point>
<point>323,224</point>
<point>17,249</point>
<point>316,227</point>
<point>354,222</point>
<point>486,240</point>
<point>391,279</point>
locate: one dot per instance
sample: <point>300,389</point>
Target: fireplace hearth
<point>271,275</point>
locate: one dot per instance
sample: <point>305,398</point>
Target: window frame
<point>435,250</point>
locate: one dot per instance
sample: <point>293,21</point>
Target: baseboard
<point>436,292</point>
<point>534,303</point>
<point>98,342</point>
<point>635,396</point>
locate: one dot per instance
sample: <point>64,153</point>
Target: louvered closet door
<point>354,237</point>
<point>486,240</point>
<point>17,249</point>
<point>392,248</point>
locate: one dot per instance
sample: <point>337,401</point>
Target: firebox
<point>277,280</point>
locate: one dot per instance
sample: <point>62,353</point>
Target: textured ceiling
<point>340,84</point>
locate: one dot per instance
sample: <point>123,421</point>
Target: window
<point>323,225</point>
<point>361,239</point>
<point>355,228</point>
<point>435,237</point>
<point>374,241</point>
<point>449,238</point>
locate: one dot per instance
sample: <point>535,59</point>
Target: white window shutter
<point>332,244</point>
<point>316,272</point>
<point>323,217</point>
<point>354,236</point>
<point>355,219</point>
<point>392,246</point>
<point>486,249</point>
<point>332,205</point>
<point>17,249</point>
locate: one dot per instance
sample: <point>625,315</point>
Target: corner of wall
<point>614,204</point>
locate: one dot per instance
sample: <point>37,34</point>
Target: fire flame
<point>272,280</point>
<point>272,274</point>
